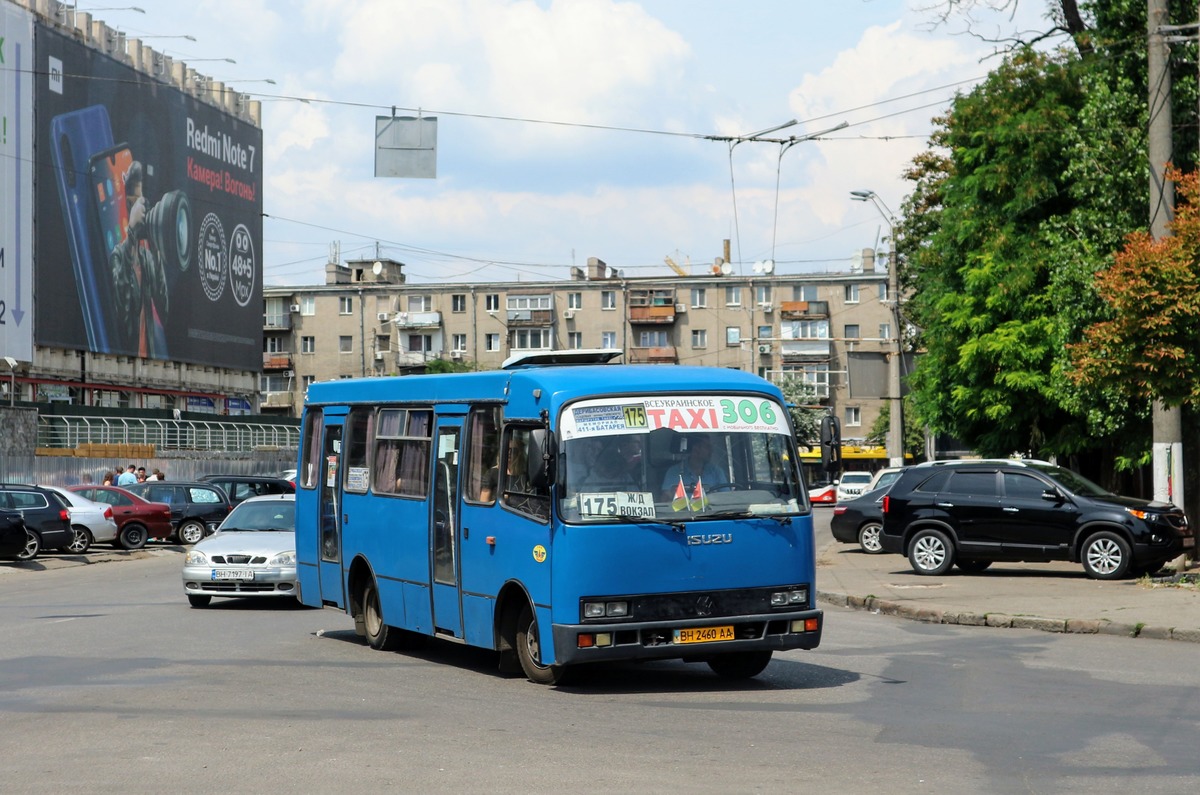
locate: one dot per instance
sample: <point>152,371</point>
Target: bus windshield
<point>680,457</point>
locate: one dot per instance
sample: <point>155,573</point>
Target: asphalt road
<point>109,682</point>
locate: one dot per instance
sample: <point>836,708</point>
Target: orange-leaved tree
<point>1150,345</point>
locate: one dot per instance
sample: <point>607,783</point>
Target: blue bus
<point>563,510</point>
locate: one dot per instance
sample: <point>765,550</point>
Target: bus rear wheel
<point>739,664</point>
<point>529,652</point>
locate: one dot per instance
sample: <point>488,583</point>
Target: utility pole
<point>1167,422</point>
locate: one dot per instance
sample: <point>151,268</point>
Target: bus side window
<point>483,453</point>
<point>529,495</point>
<point>310,458</point>
<point>402,452</point>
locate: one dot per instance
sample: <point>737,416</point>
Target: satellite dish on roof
<point>726,269</point>
<point>856,262</point>
<point>769,266</point>
<point>377,268</point>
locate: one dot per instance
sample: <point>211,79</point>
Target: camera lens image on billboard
<point>155,219</point>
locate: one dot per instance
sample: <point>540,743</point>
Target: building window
<point>765,332</point>
<point>275,313</point>
<point>653,339</point>
<point>733,335</point>
<point>608,299</point>
<point>345,305</point>
<point>574,300</point>
<point>491,302</point>
<point>420,343</point>
<point>608,340</point>
<point>882,291</point>
<point>308,381</point>
<point>815,374</point>
<point>853,416</point>
<point>852,293</point>
<point>575,340</point>
<point>346,344</point>
<point>458,342</point>
<point>762,294</point>
<point>699,298</point>
<point>420,303</point>
<point>491,342</point>
<point>273,344</point>
<point>383,343</point>
<point>804,292</point>
<point>885,331</point>
<point>531,339</point>
<point>851,332</point>
<point>458,302</point>
<point>308,305</point>
<point>804,330</point>
<point>518,302</point>
<point>733,296</point>
<point>699,338</point>
<point>308,344</point>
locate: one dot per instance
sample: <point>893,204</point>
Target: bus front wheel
<point>379,635</point>
<point>739,664</point>
<point>529,651</point>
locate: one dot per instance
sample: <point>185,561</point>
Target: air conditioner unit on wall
<point>680,308</point>
<point>294,308</point>
<point>764,348</point>
<point>569,314</point>
<point>768,308</point>
<point>379,356</point>
<point>289,373</point>
<point>383,316</point>
<point>456,354</point>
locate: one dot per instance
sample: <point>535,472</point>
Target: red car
<point>138,520</point>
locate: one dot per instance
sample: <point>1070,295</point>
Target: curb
<point>1072,626</point>
<point>53,561</point>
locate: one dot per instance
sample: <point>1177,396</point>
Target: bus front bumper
<point>691,639</point>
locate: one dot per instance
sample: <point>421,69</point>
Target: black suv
<point>243,487</point>
<point>47,519</point>
<point>973,513</point>
<point>196,508</point>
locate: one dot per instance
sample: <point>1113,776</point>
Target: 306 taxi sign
<point>726,413</point>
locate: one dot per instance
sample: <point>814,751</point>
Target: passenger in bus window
<point>604,467</point>
<point>695,466</point>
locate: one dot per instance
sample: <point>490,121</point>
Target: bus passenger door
<point>447,608</point>
<point>330,513</point>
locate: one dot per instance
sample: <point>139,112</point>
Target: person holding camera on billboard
<point>139,281</point>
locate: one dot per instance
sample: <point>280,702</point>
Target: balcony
<point>277,322</point>
<point>652,314</point>
<point>418,320</point>
<point>528,318</point>
<point>805,349</point>
<point>655,355</point>
<point>804,310</point>
<point>277,361</point>
<point>277,400</point>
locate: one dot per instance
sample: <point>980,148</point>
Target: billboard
<point>149,215</point>
<point>16,183</point>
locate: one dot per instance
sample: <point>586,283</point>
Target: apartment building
<point>833,330</point>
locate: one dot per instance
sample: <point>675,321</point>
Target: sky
<point>569,129</point>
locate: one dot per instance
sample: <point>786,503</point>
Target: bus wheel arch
<point>509,604</point>
<point>356,584</point>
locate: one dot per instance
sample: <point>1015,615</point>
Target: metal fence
<point>200,435</point>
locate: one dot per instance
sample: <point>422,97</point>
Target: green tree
<point>804,409</point>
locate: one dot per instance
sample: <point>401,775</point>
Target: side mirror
<point>1052,495</point>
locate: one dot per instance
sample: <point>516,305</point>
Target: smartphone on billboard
<point>106,175</point>
<point>74,138</point>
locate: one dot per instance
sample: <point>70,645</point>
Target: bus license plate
<point>703,634</point>
<point>232,574</point>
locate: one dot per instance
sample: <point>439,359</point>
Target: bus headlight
<point>796,596</point>
<point>605,609</point>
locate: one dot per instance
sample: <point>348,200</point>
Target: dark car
<point>138,520</point>
<point>46,517</point>
<point>974,513</point>
<point>860,521</point>
<point>196,508</point>
<point>13,535</point>
<point>243,487</point>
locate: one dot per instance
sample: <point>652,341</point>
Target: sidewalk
<point>1053,597</point>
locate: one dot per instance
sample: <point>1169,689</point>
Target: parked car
<point>138,520</point>
<point>196,508</point>
<point>13,535</point>
<point>883,478</point>
<point>973,513</point>
<point>860,521</point>
<point>242,487</point>
<point>253,553</point>
<point>91,522</point>
<point>47,520</point>
<point>851,485</point>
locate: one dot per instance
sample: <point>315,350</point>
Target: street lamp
<point>896,415</point>
<point>12,374</point>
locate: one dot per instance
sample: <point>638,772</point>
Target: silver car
<point>92,522</point>
<point>253,553</point>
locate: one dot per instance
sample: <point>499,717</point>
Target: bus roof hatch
<point>548,358</point>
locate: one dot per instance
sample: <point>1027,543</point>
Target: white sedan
<point>92,522</point>
<point>252,553</point>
